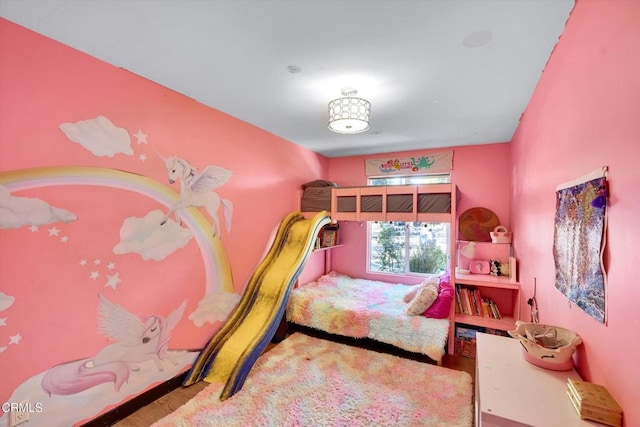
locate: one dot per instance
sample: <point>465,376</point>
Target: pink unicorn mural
<point>135,341</point>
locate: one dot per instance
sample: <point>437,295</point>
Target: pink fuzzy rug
<point>305,381</point>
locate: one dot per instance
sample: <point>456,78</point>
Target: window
<point>408,247</point>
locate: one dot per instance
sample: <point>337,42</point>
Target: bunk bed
<point>427,203</point>
<point>408,203</point>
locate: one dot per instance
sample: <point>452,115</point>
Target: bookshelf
<point>328,237</point>
<point>326,248</point>
<point>501,291</point>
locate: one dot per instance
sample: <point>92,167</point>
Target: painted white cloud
<point>17,211</point>
<point>6,301</point>
<point>146,237</point>
<point>99,136</point>
<point>214,307</point>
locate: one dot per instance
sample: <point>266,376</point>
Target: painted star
<point>83,262</point>
<point>111,266</point>
<point>15,339</point>
<point>141,137</point>
<point>94,275</point>
<point>53,231</point>
<point>97,262</point>
<point>142,157</point>
<point>112,281</point>
<point>64,239</point>
<point>3,321</point>
<point>33,228</point>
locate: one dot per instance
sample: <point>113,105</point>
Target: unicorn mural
<point>196,189</point>
<point>135,341</point>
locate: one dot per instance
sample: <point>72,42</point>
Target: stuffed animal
<point>494,265</point>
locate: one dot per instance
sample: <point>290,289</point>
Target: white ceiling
<point>438,73</point>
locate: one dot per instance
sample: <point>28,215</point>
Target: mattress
<point>360,308</point>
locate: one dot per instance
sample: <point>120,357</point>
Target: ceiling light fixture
<point>349,114</point>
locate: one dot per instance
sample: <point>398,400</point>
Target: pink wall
<point>585,114</point>
<point>481,173</point>
<point>44,84</point>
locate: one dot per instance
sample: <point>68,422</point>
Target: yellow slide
<point>231,353</point>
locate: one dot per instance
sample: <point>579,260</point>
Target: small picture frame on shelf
<point>505,269</point>
<point>328,238</point>
<point>513,269</point>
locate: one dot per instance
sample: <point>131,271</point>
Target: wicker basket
<point>546,346</point>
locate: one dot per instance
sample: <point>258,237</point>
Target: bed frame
<point>426,203</point>
<point>409,203</point>
<point>287,328</point>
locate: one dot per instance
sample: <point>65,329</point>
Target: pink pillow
<point>441,307</point>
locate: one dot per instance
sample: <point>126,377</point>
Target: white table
<point>512,392</point>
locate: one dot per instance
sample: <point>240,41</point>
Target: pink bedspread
<point>360,308</point>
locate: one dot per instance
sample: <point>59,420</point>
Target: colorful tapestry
<point>579,240</point>
<point>409,165</point>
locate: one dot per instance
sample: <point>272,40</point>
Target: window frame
<point>422,179</point>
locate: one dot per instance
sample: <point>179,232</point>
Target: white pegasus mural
<point>196,189</point>
<point>135,341</point>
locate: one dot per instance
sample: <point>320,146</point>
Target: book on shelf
<point>465,348</point>
<point>469,301</point>
<point>485,309</point>
<point>328,235</point>
<point>466,333</point>
<point>478,303</point>
<point>494,310</point>
<point>458,301</point>
<point>469,332</point>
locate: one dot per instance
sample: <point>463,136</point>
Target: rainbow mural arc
<point>217,269</point>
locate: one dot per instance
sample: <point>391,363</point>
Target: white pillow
<point>413,290</point>
<point>424,297</point>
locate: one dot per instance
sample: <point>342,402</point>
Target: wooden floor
<point>170,402</point>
